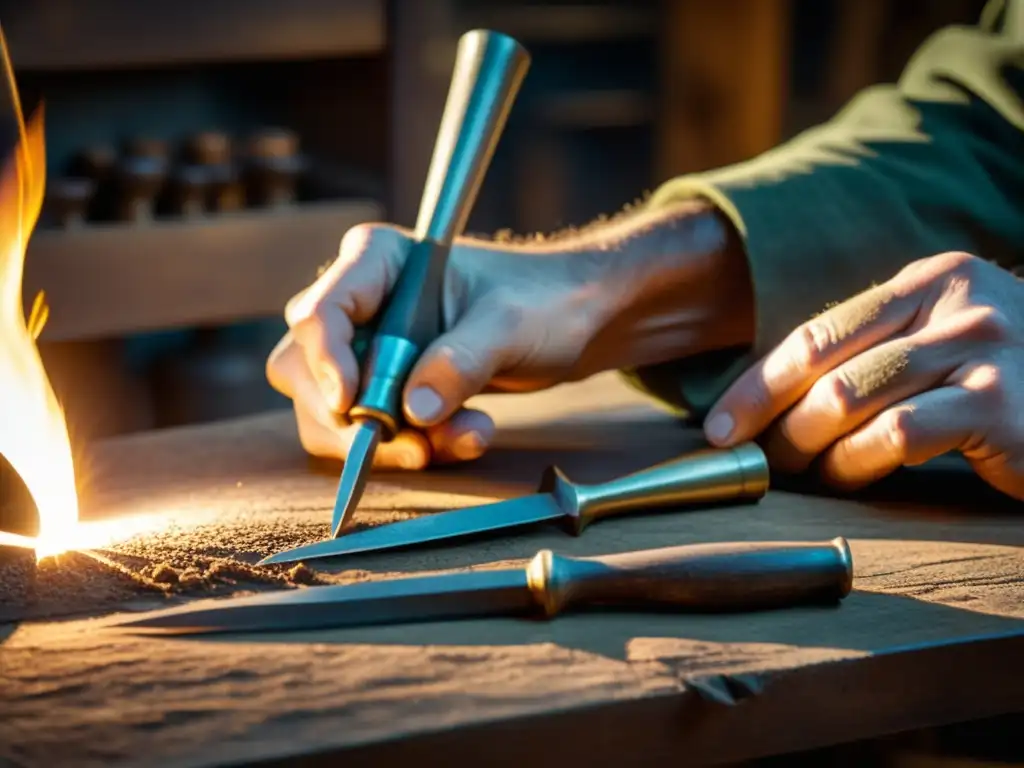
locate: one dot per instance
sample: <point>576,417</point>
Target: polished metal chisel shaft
<point>489,69</point>
<point>697,478</point>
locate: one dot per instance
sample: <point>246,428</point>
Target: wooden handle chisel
<point>721,577</point>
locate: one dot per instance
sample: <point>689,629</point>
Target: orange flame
<point>33,431</point>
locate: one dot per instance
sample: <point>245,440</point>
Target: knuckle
<point>280,365</point>
<point>812,344</point>
<point>989,382</point>
<point>356,241</point>
<point>464,361</point>
<point>963,270</point>
<point>989,323</point>
<point>370,243</point>
<point>297,308</point>
<point>307,305</point>
<point>958,261</point>
<point>835,395</point>
<point>942,267</point>
<point>897,429</point>
<point>310,329</point>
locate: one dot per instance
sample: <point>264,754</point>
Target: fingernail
<point>719,427</point>
<point>424,404</point>
<point>330,387</point>
<point>469,445</point>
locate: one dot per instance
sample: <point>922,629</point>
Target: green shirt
<point>933,163</point>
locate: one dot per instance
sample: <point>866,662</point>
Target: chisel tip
<point>357,468</point>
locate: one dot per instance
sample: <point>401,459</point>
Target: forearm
<point>682,288</point>
<point>659,283</point>
<point>931,164</point>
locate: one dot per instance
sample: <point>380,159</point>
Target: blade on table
<point>419,598</point>
<point>430,527</point>
<point>354,474</point>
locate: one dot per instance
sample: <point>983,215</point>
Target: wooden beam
<point>115,34</point>
<point>854,61</point>
<point>724,80</point>
<point>422,39</point>
<point>113,280</point>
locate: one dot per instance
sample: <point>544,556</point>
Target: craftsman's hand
<point>519,316</point>
<point>930,362</point>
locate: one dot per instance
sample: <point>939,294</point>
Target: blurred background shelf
<point>119,34</point>
<point>109,280</point>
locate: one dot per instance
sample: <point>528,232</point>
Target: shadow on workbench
<point>865,623</point>
<point>948,481</point>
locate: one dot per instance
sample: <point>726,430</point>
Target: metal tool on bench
<point>489,69</point>
<point>746,576</point>
<point>706,476</point>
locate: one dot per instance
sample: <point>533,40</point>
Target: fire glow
<point>34,435</point>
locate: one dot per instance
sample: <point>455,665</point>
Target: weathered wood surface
<point>931,634</point>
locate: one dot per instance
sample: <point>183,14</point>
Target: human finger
<point>287,371</point>
<point>350,291</point>
<point>464,437</point>
<point>408,450</point>
<point>907,434</point>
<point>850,394</point>
<point>321,431</point>
<point>462,362</point>
<point>784,375</point>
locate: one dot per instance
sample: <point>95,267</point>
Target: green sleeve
<point>933,163</point>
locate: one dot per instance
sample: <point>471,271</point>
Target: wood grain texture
<point>721,104</point>
<point>111,280</point>
<point>931,634</point>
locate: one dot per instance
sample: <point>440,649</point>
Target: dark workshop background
<point>166,319</point>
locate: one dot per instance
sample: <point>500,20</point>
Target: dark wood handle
<point>697,577</point>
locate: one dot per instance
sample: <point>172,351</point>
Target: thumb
<point>461,363</point>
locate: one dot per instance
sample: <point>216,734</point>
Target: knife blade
<point>489,69</point>
<point>697,477</point>
<point>745,576</point>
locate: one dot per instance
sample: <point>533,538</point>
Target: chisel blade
<point>354,475</point>
<point>418,598</point>
<point>430,527</point>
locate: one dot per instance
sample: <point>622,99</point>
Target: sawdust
<point>857,313</point>
<point>211,560</point>
<point>879,368</point>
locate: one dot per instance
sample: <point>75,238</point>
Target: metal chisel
<point>745,576</point>
<point>706,476</point>
<point>489,70</point>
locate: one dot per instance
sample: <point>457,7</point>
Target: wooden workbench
<point>932,633</point>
